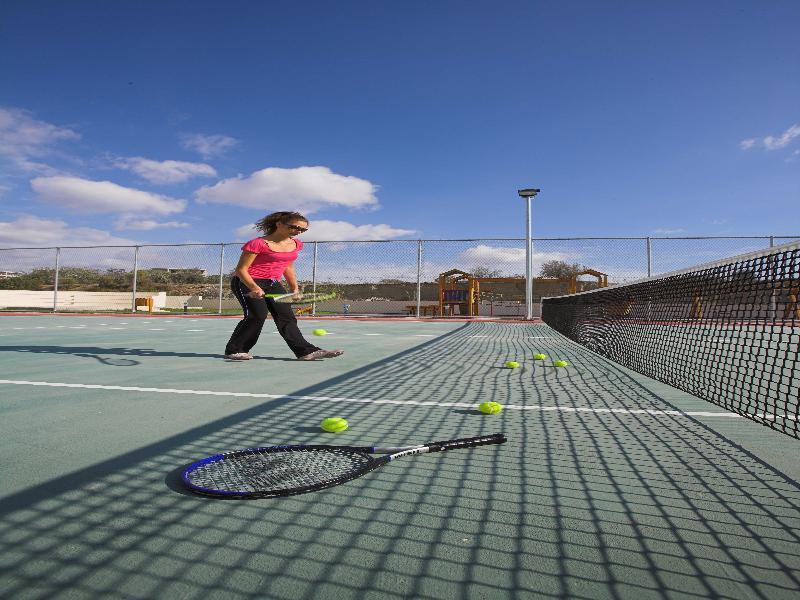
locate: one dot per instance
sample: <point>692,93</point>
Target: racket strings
<point>266,470</point>
<point>306,298</point>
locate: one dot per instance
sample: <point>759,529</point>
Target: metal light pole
<point>528,194</point>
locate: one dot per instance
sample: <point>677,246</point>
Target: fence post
<point>135,276</point>
<point>649,257</point>
<point>419,276</point>
<point>55,280</point>
<point>314,279</point>
<point>221,267</point>
<point>772,241</point>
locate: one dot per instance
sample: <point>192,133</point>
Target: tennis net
<point>727,332</point>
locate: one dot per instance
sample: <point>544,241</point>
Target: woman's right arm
<point>245,260</point>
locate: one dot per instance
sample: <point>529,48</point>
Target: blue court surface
<point>611,485</point>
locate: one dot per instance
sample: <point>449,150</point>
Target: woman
<point>263,262</point>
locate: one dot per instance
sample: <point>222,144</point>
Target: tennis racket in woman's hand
<point>288,470</point>
<point>301,298</point>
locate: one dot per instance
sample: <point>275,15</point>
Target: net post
<point>135,275</point>
<point>314,279</point>
<point>419,276</point>
<point>55,280</point>
<point>221,267</point>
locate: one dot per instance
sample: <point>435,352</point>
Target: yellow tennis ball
<point>539,356</point>
<point>490,408</point>
<point>319,332</point>
<point>333,424</point>
<point>512,364</point>
<point>561,363</point>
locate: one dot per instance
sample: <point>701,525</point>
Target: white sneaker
<point>321,354</point>
<point>239,356</point>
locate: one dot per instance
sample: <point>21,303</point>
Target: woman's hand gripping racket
<point>289,470</point>
<point>301,298</point>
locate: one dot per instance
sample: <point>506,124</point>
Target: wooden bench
<point>424,309</point>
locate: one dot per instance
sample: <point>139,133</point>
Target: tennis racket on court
<point>289,470</point>
<point>301,298</point>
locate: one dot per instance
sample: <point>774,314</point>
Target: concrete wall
<point>67,300</point>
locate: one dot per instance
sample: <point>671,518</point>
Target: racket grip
<point>482,440</point>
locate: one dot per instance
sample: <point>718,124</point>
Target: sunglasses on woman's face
<point>297,228</point>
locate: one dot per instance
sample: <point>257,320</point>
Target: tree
<point>559,269</point>
<point>485,272</point>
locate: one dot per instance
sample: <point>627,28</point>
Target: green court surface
<point>610,486</point>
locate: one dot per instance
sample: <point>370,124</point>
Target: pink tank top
<point>269,264</point>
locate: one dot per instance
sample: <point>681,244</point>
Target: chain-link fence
<point>398,277</point>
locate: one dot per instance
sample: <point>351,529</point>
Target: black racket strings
<point>256,471</point>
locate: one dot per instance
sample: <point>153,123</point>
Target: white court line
<point>567,409</point>
<point>373,334</point>
<point>195,330</point>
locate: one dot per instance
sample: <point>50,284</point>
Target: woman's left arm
<point>291,279</point>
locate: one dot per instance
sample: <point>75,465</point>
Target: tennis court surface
<point>611,485</point>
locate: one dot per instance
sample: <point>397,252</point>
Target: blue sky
<point>161,122</point>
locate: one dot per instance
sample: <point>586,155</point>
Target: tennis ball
<point>539,356</point>
<point>512,364</point>
<point>490,408</point>
<point>561,363</point>
<point>333,424</point>
<point>319,332</point>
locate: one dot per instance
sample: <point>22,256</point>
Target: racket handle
<point>482,440</point>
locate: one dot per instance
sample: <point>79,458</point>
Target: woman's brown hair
<point>270,223</point>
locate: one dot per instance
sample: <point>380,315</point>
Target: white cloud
<point>339,231</point>
<point>771,142</point>
<point>31,231</point>
<point>24,138</point>
<point>83,195</point>
<point>666,231</point>
<point>208,146</point>
<point>507,260</point>
<point>304,189</point>
<point>129,222</point>
<point>166,171</point>
<point>774,143</point>
<point>363,262</point>
<point>246,232</point>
